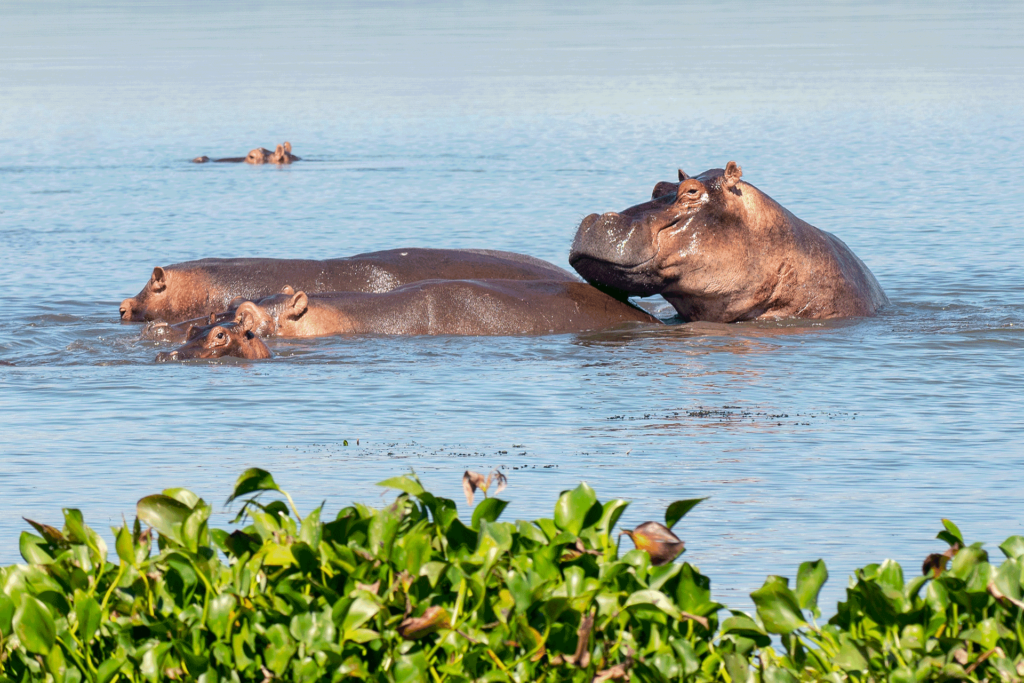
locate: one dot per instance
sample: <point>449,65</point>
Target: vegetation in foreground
<point>411,593</point>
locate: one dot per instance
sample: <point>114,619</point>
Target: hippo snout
<point>127,309</point>
<point>163,356</point>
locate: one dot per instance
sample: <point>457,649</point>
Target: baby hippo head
<point>220,339</point>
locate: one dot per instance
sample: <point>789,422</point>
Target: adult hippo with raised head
<point>720,250</point>
<point>433,307</point>
<point>196,289</point>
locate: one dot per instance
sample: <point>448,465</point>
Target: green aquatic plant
<point>410,592</point>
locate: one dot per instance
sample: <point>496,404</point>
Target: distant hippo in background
<point>198,288</point>
<point>720,250</point>
<point>433,307</point>
<point>281,155</point>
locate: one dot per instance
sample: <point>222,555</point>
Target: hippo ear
<point>287,289</point>
<point>246,315</point>
<point>159,279</point>
<point>213,318</point>
<point>298,305</point>
<point>288,147</point>
<point>733,173</point>
<point>683,176</point>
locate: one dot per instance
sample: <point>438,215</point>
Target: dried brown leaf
<point>471,481</point>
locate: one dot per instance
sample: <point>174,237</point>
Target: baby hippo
<point>218,340</point>
<point>281,155</point>
<point>432,307</point>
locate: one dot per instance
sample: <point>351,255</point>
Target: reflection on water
<point>896,128</point>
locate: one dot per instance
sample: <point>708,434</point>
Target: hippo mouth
<point>616,279</point>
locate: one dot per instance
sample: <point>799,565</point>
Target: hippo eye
<point>220,335</point>
<point>692,192</point>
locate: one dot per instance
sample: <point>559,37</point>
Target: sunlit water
<point>500,127</point>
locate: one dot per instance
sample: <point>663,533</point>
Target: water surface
<point>896,128</point>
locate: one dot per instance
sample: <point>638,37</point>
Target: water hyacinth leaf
<point>220,614</point>
<point>407,484</point>
<point>183,496</point>
<point>966,560</point>
<point>489,509</point>
<point>34,625</point>
<point>985,633</point>
<point>87,612</point>
<point>359,612</point>
<point>850,657</point>
<point>124,545</point>
<point>810,577</point>
<point>280,648</point>
<point>951,534</point>
<point>194,525</point>
<point>677,510</point>
<point>153,661</point>
<point>165,514</point>
<point>53,535</point>
<point>412,668</point>
<point>75,525</point>
<point>777,606</point>
<point>311,530</point>
<point>106,671</point>
<point>33,549</point>
<point>252,480</point>
<point>656,598</point>
<point>572,508</point>
<point>6,613</point>
<point>1013,547</point>
<point>610,513</point>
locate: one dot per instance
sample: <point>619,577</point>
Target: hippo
<point>260,155</point>
<point>196,289</point>
<point>431,307</point>
<point>720,250</point>
<point>219,340</point>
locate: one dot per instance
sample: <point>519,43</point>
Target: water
<point>897,128</point>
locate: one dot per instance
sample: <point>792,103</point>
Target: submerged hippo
<point>198,288</point>
<point>433,307</point>
<point>281,155</point>
<point>219,340</point>
<point>720,250</point>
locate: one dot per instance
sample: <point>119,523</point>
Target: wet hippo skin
<point>233,338</point>
<point>433,307</point>
<point>281,155</point>
<point>198,288</point>
<point>720,250</point>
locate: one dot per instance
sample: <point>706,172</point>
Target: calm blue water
<point>897,128</point>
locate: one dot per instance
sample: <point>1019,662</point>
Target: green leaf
<point>165,514</point>
<point>610,513</point>
<point>810,577</point>
<point>76,526</point>
<point>1013,546</point>
<point>572,508</point>
<point>312,530</point>
<point>411,486</point>
<point>850,657</point>
<point>280,648</point>
<point>106,671</point>
<point>34,625</point>
<point>985,633</point>
<point>220,614</point>
<point>778,606</point>
<point>124,545</point>
<point>6,613</point>
<point>677,510</point>
<point>33,549</point>
<point>253,479</point>
<point>153,662</point>
<point>359,612</point>
<point>489,509</point>
<point>182,496</point>
<point>656,598</point>
<point>87,611</point>
<point>951,534</point>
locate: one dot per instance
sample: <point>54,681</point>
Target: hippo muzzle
<point>216,341</point>
<point>618,252</point>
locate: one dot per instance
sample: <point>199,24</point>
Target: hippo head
<point>219,340</point>
<point>259,156</point>
<point>153,302</point>
<point>281,314</point>
<point>694,242</point>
